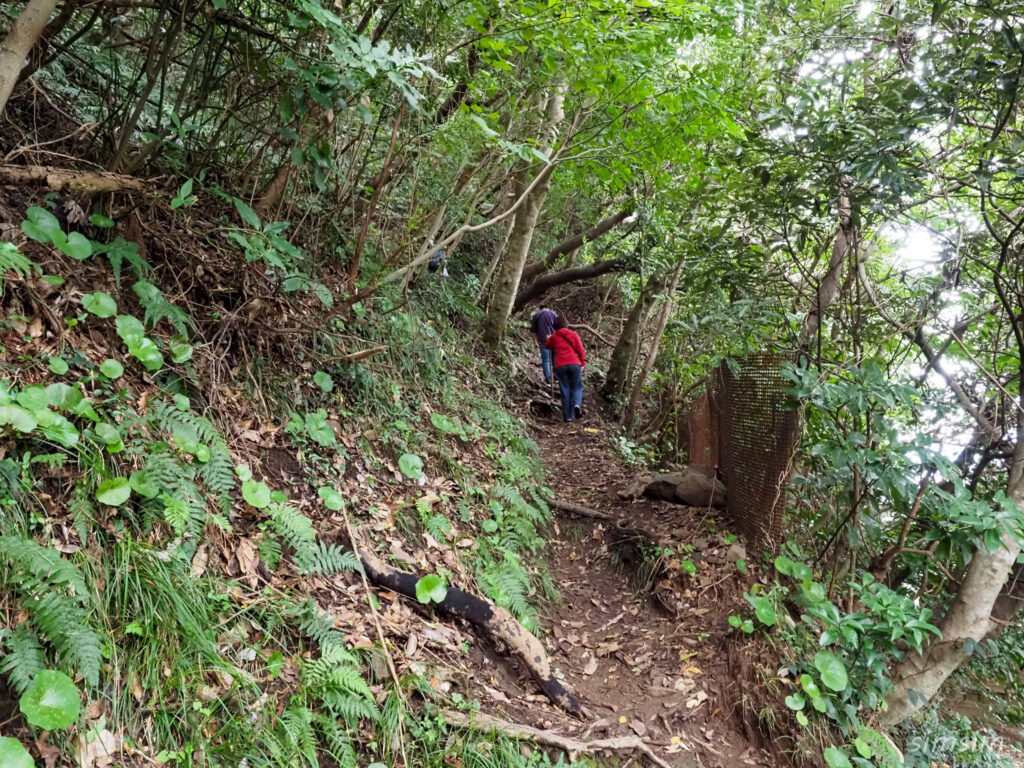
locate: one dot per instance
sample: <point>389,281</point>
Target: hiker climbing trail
<point>646,588</point>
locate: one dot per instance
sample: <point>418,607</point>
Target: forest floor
<point>642,642</point>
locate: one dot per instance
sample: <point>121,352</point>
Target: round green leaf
<point>180,349</point>
<point>802,719</point>
<point>13,755</point>
<point>763,609</point>
<point>51,701</point>
<point>181,402</point>
<point>56,427</point>
<point>34,398</point>
<point>318,429</point>
<point>41,225</point>
<point>431,588</point>
<point>490,525</point>
<point>783,565</point>
<point>61,395</point>
<point>99,220</point>
<point>77,246</point>
<point>17,417</point>
<point>107,433</point>
<point>111,369</point>
<point>129,328</point>
<point>143,484</point>
<point>323,380</point>
<point>796,701</point>
<point>832,670</point>
<point>256,494</point>
<point>114,492</point>
<point>331,498</point>
<point>202,453</point>
<point>100,304</point>
<point>411,465</point>
<point>58,366</point>
<point>148,353</point>
<point>837,758</point>
<point>444,423</point>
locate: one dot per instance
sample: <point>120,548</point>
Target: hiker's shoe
<point>577,411</point>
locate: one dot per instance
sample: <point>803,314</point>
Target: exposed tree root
<point>481,722</point>
<point>81,181</point>
<point>493,619</point>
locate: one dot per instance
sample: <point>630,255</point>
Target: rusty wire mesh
<point>744,425</point>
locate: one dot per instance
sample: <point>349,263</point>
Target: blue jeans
<point>570,381</point>
<point>545,362</point>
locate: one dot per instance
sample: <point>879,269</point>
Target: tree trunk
<point>830,282</point>
<point>919,676</point>
<point>510,269</point>
<point>544,283</point>
<point>652,353</point>
<point>625,348</point>
<point>24,33</point>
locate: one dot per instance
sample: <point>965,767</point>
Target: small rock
<point>736,552</point>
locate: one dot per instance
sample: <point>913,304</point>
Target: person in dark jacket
<point>542,325</point>
<point>569,361</point>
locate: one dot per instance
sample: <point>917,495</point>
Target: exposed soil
<point>639,640</point>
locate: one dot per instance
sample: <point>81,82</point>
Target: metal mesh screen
<point>745,420</point>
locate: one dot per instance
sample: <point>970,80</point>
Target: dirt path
<point>638,638</point>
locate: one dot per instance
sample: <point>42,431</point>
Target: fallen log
<point>487,724</point>
<point>79,181</point>
<point>493,619</point>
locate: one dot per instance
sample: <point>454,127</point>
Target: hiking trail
<point>639,640</point>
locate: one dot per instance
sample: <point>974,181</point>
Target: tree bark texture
<point>652,353</point>
<point>625,348</point>
<point>19,41</point>
<point>510,269</point>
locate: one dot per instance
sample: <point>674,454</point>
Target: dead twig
<point>579,509</point>
<point>481,722</point>
<point>82,181</point>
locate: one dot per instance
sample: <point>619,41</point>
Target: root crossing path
<point>640,632</point>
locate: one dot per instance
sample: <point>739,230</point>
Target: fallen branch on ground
<point>493,619</point>
<point>80,181</point>
<point>579,509</point>
<point>597,334</point>
<point>481,722</point>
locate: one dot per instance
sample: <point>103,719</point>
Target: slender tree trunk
<point>830,283</point>
<point>919,676</point>
<point>652,353</point>
<point>625,348</point>
<point>510,269</point>
<point>19,41</point>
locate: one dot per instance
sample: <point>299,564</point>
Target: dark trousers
<point>570,381</point>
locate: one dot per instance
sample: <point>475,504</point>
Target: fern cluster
<point>336,681</point>
<point>54,593</point>
<point>507,583</point>
<point>310,554</point>
<point>217,474</point>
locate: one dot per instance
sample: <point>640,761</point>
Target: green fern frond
<point>294,528</point>
<point>158,307</point>
<point>336,741</point>
<point>24,656</point>
<point>270,552</point>
<point>344,704</point>
<point>325,559</point>
<point>54,593</point>
<point>217,475</point>
<point>297,724</point>
<point>12,260</point>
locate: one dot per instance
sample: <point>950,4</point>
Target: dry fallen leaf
<point>591,666</point>
<point>97,750</point>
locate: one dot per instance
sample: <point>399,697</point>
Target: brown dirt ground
<point>646,654</point>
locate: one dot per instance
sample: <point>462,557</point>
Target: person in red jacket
<point>569,361</point>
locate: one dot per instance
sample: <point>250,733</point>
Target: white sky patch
<point>915,248</point>
<point>865,10</point>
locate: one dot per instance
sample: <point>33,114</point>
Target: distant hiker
<point>569,361</point>
<point>542,325</point>
<point>438,262</point>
